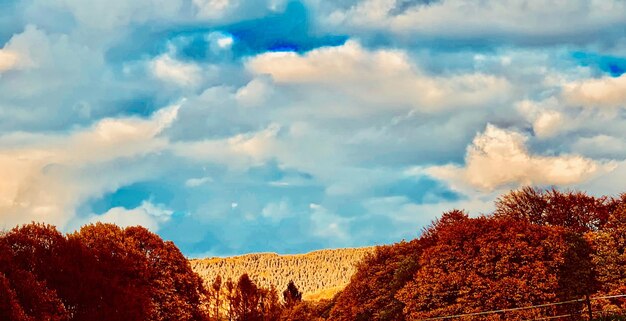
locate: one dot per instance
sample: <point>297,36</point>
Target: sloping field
<point>318,274</point>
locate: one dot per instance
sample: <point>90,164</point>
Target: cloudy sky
<point>233,126</point>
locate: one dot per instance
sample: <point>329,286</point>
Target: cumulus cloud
<point>181,73</point>
<point>240,151</point>
<point>498,158</point>
<point>310,146</point>
<point>148,215</point>
<point>8,60</point>
<point>545,117</point>
<point>254,93</point>
<point>604,92</point>
<point>212,8</point>
<point>25,50</point>
<point>381,77</point>
<point>47,177</point>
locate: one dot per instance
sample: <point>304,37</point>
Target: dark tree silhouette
<point>246,300</point>
<point>291,295</point>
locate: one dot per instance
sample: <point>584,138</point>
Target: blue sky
<point>233,126</point>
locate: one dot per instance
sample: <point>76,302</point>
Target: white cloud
<point>254,93</point>
<point>28,49</point>
<point>385,77</point>
<point>604,92</point>
<point>546,120</point>
<point>277,210</point>
<point>212,8</point>
<point>195,182</point>
<point>499,158</point>
<point>181,73</point>
<point>110,14</point>
<point>46,177</point>
<point>328,225</point>
<point>8,60</point>
<point>148,215</point>
<point>601,146</point>
<point>510,20</point>
<point>240,151</point>
<point>547,123</point>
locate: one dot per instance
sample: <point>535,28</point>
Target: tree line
<point>104,272</point>
<point>538,246</point>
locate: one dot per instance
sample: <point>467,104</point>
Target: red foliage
<point>101,272</point>
<point>574,210</point>
<point>493,263</point>
<point>609,259</point>
<point>370,295</point>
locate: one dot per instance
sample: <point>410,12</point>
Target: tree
<point>118,275</point>
<point>609,260</point>
<point>487,263</point>
<point>216,291</point>
<point>174,289</point>
<point>246,300</point>
<point>291,295</point>
<point>10,307</point>
<point>270,304</point>
<point>574,210</point>
<point>370,295</point>
<point>29,258</point>
<point>233,299</point>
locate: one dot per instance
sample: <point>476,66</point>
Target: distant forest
<point>318,275</point>
<point>542,254</point>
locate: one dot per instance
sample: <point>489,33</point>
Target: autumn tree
<point>291,295</point>
<point>370,295</point>
<point>609,260</point>
<point>571,209</point>
<point>246,300</point>
<point>305,311</point>
<point>487,263</point>
<point>22,296</point>
<point>216,297</point>
<point>30,257</point>
<point>119,276</point>
<point>270,306</point>
<point>102,272</point>
<point>232,298</point>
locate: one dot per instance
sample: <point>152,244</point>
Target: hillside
<point>319,274</point>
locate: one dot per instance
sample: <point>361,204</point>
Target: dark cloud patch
<point>402,5</point>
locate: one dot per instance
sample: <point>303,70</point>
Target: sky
<point>232,126</point>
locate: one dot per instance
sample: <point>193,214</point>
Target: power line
<point>521,308</point>
<point>550,318</point>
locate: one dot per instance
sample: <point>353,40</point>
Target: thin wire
<point>521,308</point>
<point>550,318</point>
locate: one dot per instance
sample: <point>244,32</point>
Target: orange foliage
<point>488,263</point>
<point>370,295</point>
